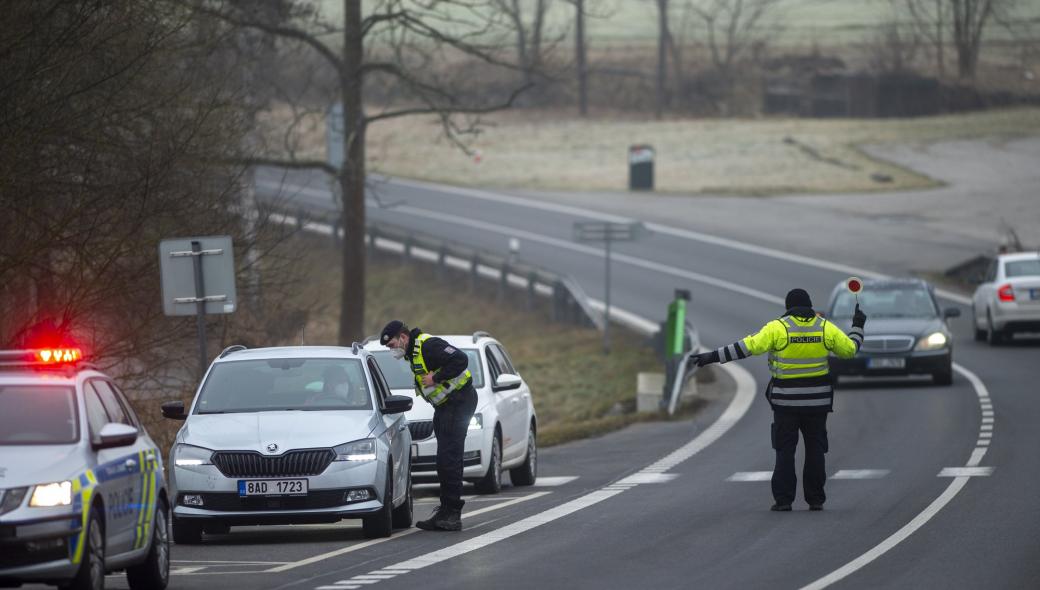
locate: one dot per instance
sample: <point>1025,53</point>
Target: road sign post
<point>198,277</point>
<point>607,232</point>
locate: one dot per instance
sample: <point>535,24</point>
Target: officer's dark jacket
<point>446,361</point>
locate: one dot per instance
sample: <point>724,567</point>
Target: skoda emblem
<point>272,448</point>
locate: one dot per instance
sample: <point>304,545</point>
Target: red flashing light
<point>53,356</point>
<point>1006,293</point>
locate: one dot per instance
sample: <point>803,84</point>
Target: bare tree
<point>893,48</point>
<point>581,57</point>
<point>663,37</point>
<point>931,19</point>
<point>733,27</point>
<point>964,22</point>
<point>407,44</point>
<point>529,33</point>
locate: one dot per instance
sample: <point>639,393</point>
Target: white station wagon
<point>503,431</point>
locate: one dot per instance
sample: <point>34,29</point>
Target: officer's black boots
<point>780,508</point>
<point>443,519</point>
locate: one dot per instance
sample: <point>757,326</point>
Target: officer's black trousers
<point>450,424</point>
<point>785,428</point>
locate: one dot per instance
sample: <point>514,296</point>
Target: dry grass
<point>577,390</point>
<point>538,151</point>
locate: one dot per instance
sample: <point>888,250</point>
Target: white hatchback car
<point>1008,300</point>
<point>503,431</point>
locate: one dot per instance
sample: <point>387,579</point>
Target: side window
<point>96,415</point>
<point>494,369</point>
<point>134,420</point>
<point>500,360</point>
<point>505,358</point>
<point>382,389</point>
<point>115,410</point>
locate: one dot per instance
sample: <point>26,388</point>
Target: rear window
<point>399,375</point>
<point>38,415</point>
<point>881,301</point>
<point>1022,268</point>
<point>285,384</point>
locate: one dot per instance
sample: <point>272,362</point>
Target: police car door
<point>118,473</point>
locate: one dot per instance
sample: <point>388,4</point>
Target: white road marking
<point>951,491</point>
<point>985,435</point>
<point>860,474</point>
<point>647,477</point>
<point>966,472</point>
<point>549,482</point>
<point>180,571</point>
<point>358,546</point>
<point>751,476</point>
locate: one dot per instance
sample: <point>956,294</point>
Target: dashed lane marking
<point>860,474</point>
<point>549,482</point>
<point>751,476</point>
<point>966,472</point>
<point>647,477</point>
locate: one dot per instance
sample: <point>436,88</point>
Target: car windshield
<point>399,375</point>
<point>1022,268</point>
<point>881,301</point>
<point>285,384</point>
<point>38,415</point>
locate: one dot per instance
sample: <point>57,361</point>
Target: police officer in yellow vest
<point>801,391</point>
<point>443,380</point>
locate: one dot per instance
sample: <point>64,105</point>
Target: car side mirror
<point>396,404</point>
<point>952,312</point>
<point>174,410</point>
<point>507,381</point>
<point>116,435</point>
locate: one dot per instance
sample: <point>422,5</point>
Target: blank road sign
<point>176,263</point>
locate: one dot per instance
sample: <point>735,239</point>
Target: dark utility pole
<point>579,49</point>
<point>662,55</point>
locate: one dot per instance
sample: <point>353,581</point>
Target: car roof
<point>456,340</point>
<point>36,375</point>
<point>279,352</point>
<point>1019,256</point>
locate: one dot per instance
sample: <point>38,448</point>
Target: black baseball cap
<point>391,330</point>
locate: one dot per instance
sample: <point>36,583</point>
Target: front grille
<point>291,464</point>
<point>887,343</point>
<point>232,502</point>
<point>23,553</point>
<point>421,430</point>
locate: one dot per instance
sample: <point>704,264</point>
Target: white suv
<point>502,433</point>
<point>1008,300</point>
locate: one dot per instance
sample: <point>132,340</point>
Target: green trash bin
<point>640,168</point>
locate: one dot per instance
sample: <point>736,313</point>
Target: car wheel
<point>186,532</point>
<point>491,483</point>
<point>403,514</point>
<point>154,572</point>
<point>381,524</point>
<point>980,333</point>
<point>527,472</point>
<point>91,573</point>
<point>993,336</point>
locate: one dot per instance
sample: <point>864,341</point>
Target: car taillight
<point>1006,293</point>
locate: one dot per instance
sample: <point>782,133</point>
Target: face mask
<point>397,353</point>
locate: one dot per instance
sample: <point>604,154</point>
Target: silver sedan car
<point>1008,298</point>
<point>290,435</point>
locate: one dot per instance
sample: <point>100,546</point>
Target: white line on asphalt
<point>751,476</point>
<point>180,571</point>
<point>927,514</point>
<point>860,474</point>
<point>644,477</point>
<point>966,472</point>
<point>351,548</point>
<point>549,482</point>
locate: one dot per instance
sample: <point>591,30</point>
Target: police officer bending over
<point>801,391</point>
<point>442,379</point>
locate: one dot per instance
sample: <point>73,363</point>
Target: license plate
<point>886,363</point>
<point>1034,294</point>
<point>272,487</point>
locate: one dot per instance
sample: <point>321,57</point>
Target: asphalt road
<point>683,505</point>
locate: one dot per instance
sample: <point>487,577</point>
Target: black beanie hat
<point>797,298</point>
<point>391,330</point>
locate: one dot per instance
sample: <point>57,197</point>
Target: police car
<point>81,482</point>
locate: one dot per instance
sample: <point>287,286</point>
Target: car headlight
<point>933,341</point>
<point>48,495</point>
<point>476,422</point>
<point>359,450</point>
<point>191,456</point>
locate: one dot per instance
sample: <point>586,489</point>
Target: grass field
<point>529,150</point>
<point>577,391</point>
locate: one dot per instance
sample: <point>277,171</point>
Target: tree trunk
<point>352,181</point>
<point>579,49</point>
<point>662,55</point>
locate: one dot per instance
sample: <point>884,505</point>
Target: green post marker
<point>675,340</point>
